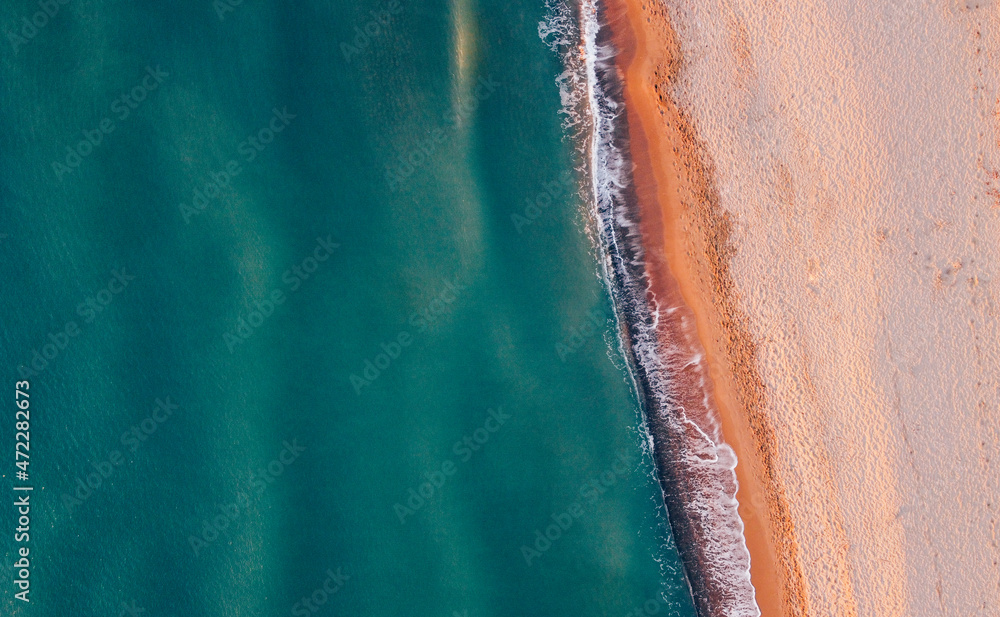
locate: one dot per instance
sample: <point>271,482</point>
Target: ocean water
<point>313,320</point>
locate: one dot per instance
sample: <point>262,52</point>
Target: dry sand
<point>820,185</point>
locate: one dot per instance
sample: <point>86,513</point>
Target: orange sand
<point>686,237</point>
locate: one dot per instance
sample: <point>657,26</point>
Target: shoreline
<point>804,315</point>
<point>686,248</point>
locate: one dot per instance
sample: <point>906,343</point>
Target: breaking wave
<point>695,468</point>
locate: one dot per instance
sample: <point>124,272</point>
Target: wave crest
<point>696,469</point>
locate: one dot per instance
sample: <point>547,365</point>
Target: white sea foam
<point>854,152</point>
<point>695,466</point>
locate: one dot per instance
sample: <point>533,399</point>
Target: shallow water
<point>387,386</point>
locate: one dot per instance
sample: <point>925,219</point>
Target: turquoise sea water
<point>289,331</point>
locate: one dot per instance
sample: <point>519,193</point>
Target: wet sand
<point>687,243</point>
<point>817,187</point>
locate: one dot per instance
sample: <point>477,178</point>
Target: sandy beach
<point>687,241</point>
<point>818,188</point>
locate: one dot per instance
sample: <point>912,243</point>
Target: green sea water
<point>311,320</point>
